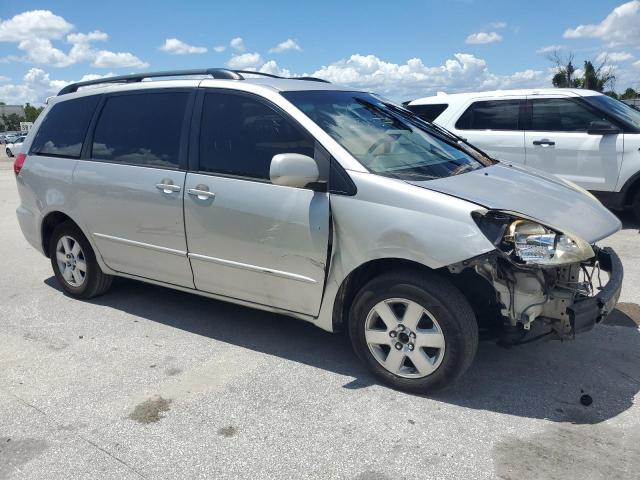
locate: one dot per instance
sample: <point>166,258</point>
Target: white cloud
<point>550,49</point>
<point>95,36</point>
<point>4,78</point>
<point>636,64</point>
<point>35,31</point>
<point>483,37</point>
<point>614,57</point>
<point>107,59</point>
<point>620,27</point>
<point>220,48</point>
<point>498,25</point>
<point>272,67</point>
<point>178,47</point>
<point>33,24</point>
<point>245,60</point>
<point>237,44</point>
<point>37,86</point>
<point>464,72</point>
<point>288,44</point>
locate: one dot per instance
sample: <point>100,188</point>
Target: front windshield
<point>617,108</point>
<point>384,138</point>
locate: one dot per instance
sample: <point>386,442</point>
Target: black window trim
<point>196,123</point>
<point>183,150</point>
<point>84,137</point>
<point>580,101</point>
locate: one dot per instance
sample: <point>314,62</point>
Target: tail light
<point>18,163</point>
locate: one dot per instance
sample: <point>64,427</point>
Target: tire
<point>9,154</point>
<point>635,205</point>
<point>74,263</point>
<point>438,317</point>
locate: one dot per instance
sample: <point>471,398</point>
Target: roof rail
<point>218,73</point>
<point>221,73</point>
<point>271,75</point>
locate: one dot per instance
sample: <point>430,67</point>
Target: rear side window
<point>491,115</point>
<point>561,115</point>
<point>428,112</point>
<point>240,135</point>
<point>64,128</point>
<point>141,129</point>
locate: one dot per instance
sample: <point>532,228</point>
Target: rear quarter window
<point>63,129</point>
<point>428,112</point>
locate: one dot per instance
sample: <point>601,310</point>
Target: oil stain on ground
<point>150,410</point>
<point>15,452</point>
<point>570,452</point>
<point>228,431</point>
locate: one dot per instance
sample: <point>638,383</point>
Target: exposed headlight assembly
<point>531,243</point>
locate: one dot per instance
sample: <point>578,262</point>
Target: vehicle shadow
<point>628,219</point>
<point>538,380</point>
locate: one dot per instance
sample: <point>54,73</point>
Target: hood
<point>548,199</point>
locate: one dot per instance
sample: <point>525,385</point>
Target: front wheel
<point>9,154</point>
<point>74,263</point>
<point>635,205</point>
<point>415,331</point>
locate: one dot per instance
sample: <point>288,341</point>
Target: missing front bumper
<point>585,313</point>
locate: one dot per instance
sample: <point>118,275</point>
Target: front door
<point>249,239</point>
<point>129,189</point>
<point>557,142</point>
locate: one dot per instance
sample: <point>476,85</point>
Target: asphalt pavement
<point>147,382</point>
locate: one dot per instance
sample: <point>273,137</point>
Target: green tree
<point>565,71</point>
<point>593,77</point>
<point>629,94</point>
<point>31,113</point>
<point>12,121</point>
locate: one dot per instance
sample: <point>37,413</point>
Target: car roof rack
<point>217,73</point>
<point>271,75</point>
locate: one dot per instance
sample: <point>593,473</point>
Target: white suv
<point>583,136</point>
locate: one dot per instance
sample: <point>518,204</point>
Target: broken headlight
<point>531,243</point>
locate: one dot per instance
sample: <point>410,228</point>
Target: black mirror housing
<point>602,127</point>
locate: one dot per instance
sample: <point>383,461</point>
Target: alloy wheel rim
<point>404,338</point>
<point>71,261</point>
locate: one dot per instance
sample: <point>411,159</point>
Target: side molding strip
<point>253,268</point>
<point>148,246</point>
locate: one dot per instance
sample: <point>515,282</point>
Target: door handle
<point>544,142</point>
<point>202,192</point>
<point>167,186</point>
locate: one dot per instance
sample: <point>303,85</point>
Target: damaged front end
<point>541,275</point>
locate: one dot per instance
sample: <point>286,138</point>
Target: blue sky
<point>403,49</point>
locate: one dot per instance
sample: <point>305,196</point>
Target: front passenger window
<point>561,115</point>
<point>240,135</point>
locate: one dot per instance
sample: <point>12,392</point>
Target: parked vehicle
<point>320,202</point>
<point>13,148</point>
<point>584,136</point>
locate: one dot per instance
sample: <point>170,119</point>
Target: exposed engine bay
<point>541,275</point>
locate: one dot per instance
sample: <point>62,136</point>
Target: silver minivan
<point>328,204</point>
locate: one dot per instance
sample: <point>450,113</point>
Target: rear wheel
<point>9,154</point>
<point>74,263</point>
<point>414,331</point>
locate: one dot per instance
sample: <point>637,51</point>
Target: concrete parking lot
<point>146,382</point>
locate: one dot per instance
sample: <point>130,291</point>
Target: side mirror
<point>602,127</point>
<point>293,170</point>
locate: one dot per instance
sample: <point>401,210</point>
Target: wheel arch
<point>49,223</point>
<point>358,277</point>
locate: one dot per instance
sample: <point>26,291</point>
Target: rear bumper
<point>585,313</point>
